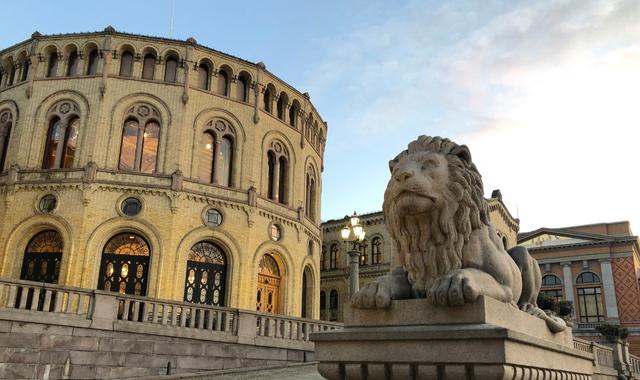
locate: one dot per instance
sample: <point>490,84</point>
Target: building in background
<point>376,252</point>
<point>160,168</point>
<point>597,267</point>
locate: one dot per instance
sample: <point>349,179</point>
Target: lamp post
<point>353,233</point>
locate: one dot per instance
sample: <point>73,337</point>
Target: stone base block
<point>414,340</point>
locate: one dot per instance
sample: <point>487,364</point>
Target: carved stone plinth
<point>414,340</point>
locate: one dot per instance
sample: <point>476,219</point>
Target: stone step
<point>302,371</point>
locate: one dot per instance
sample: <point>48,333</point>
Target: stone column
<point>216,160</point>
<point>568,282</point>
<point>354,272</point>
<point>608,289</point>
<point>275,186</point>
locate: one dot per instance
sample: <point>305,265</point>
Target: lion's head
<point>432,203</point>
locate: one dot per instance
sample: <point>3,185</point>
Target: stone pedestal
<point>415,340</point>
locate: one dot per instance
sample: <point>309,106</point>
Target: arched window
<point>310,248</point>
<point>205,280</point>
<point>333,305</point>
<point>323,305</point>
<point>140,137</point>
<point>1,75</point>
<point>283,100</point>
<point>333,256</point>
<point>364,252</point>
<point>42,257</point>
<point>307,293</point>
<point>12,75</point>
<point>590,305</point>
<point>310,196</point>
<point>551,280</point>
<point>126,64</point>
<point>203,76</point>
<point>52,67</point>
<point>293,113</point>
<point>376,250</point>
<point>323,258</point>
<point>242,91</point>
<point>72,64</point>
<point>26,64</point>
<point>552,287</point>
<point>223,82</point>
<point>124,267</point>
<point>171,69</point>
<point>92,65</point>
<point>278,170</point>
<point>148,66</point>
<point>267,99</point>
<point>216,153</point>
<point>6,120</point>
<point>62,136</point>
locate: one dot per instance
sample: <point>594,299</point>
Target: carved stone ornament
<point>435,211</point>
<point>5,117</point>
<point>220,126</point>
<point>65,108</point>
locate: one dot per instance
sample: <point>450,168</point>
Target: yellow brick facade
<point>174,198</point>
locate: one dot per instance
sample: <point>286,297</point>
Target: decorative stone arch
<point>224,75</point>
<point>90,265</point>
<point>149,71</point>
<point>282,106</point>
<point>20,236</point>
<point>310,162</point>
<point>285,263</point>
<point>23,63</point>
<point>87,49</point>
<point>204,67</point>
<point>233,252</point>
<point>200,126</point>
<point>269,94</point>
<point>119,116</point>
<point>167,55</point>
<point>70,47</point>
<point>43,117</point>
<point>294,113</point>
<point>126,46</point>
<point>9,117</point>
<point>267,141</point>
<point>244,77</point>
<point>47,52</point>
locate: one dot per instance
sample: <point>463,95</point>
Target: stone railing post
<point>105,310</point>
<point>247,326</point>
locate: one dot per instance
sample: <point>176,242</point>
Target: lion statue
<point>450,253</point>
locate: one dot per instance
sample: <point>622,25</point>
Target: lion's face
<point>418,183</point>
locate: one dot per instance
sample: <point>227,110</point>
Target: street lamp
<point>353,233</point>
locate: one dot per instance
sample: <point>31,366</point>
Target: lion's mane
<point>431,244</point>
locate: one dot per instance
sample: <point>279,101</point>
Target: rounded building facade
<point>159,168</point>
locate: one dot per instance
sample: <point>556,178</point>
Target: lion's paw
<point>456,288</point>
<point>374,295</point>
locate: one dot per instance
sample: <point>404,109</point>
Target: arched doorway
<point>269,280</point>
<point>42,257</point>
<point>206,274</point>
<point>125,265</point>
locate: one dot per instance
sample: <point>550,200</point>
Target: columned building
<point>376,252</point>
<point>161,168</point>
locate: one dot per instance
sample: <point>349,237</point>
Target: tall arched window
<point>364,252</point>
<point>6,120</point>
<point>126,64</point>
<point>124,267</point>
<point>293,113</point>
<point>278,172</point>
<point>42,257</point>
<point>92,64</point>
<point>204,74</point>
<point>26,64</point>
<point>222,87</point>
<point>205,280</point>
<point>323,258</point>
<point>307,293</point>
<point>323,305</point>
<point>267,99</point>
<point>590,305</point>
<point>242,91</point>
<point>333,305</point>
<point>140,137</point>
<point>62,136</point>
<point>148,66</point>
<point>216,153</point>
<point>283,101</point>
<point>552,287</point>
<point>310,196</point>
<point>12,74</point>
<point>333,256</point>
<point>72,64</point>
<point>52,66</point>
<point>376,250</point>
<point>171,69</point>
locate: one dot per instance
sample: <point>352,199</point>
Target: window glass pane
<point>92,68</point>
<point>52,144</point>
<point>267,100</point>
<point>150,148</point>
<point>203,76</point>
<point>5,134</point>
<point>225,157</point>
<point>53,65</point>
<point>170,70</point>
<point>72,66</point>
<point>271,166</point>
<point>148,67</point>
<point>126,64</point>
<point>205,167</point>
<point>242,89</point>
<point>282,180</point>
<point>72,140</point>
<point>128,148</point>
<point>25,69</point>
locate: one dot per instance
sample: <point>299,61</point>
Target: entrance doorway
<point>42,258</point>
<point>125,265</point>
<point>206,274</point>
<point>268,292</point>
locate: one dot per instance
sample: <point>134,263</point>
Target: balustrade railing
<point>37,296</point>
<point>603,355</point>
<point>582,345</point>
<point>634,363</point>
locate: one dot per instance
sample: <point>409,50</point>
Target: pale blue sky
<point>544,93</point>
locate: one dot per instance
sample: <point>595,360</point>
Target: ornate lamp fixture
<point>353,233</point>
